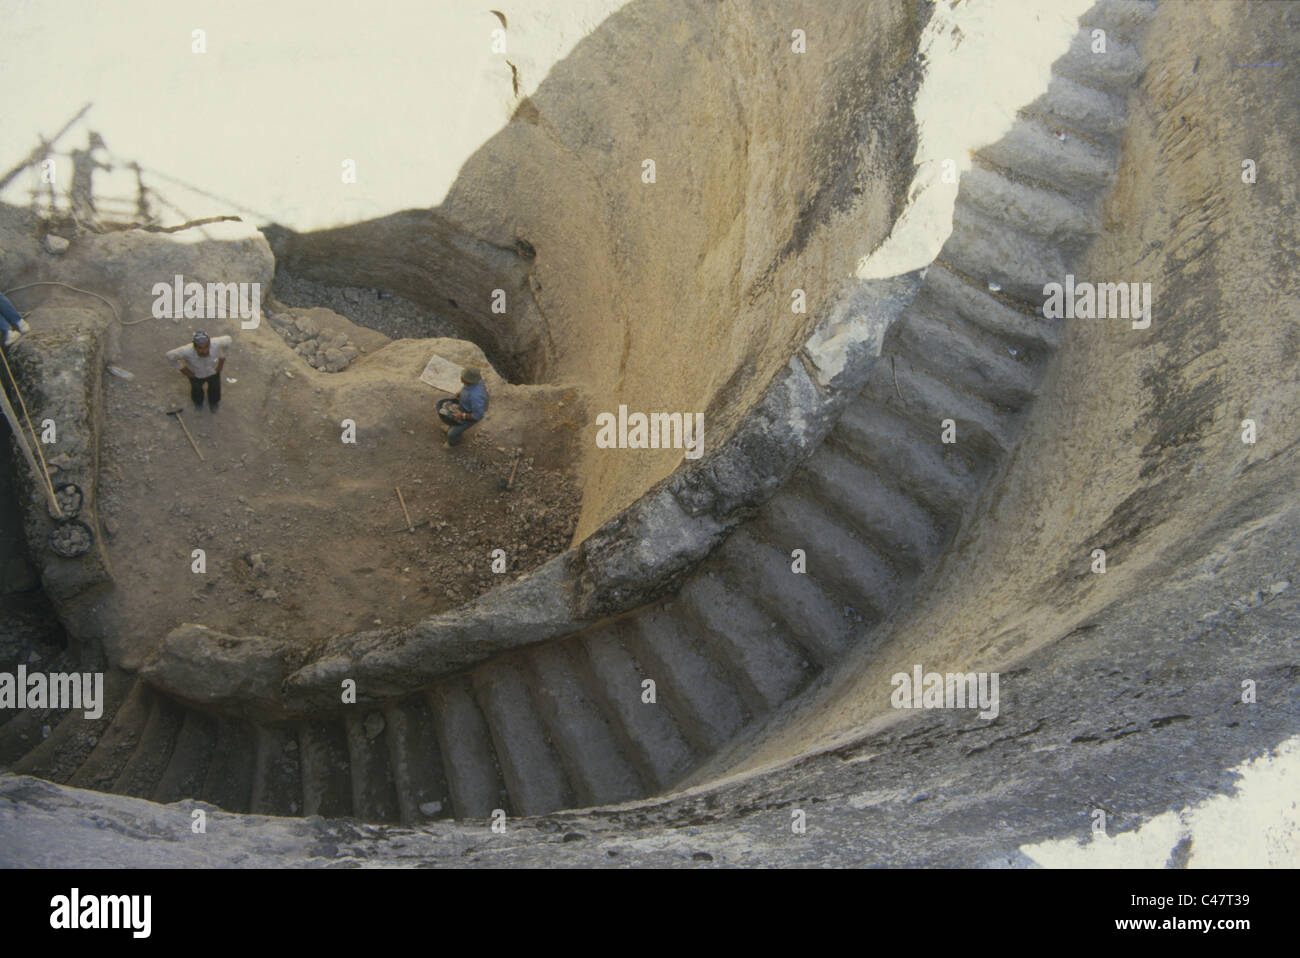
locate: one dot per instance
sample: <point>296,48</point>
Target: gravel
<point>388,313</point>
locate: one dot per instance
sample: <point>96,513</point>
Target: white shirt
<point>202,366</point>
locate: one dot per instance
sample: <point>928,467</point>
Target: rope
<point>121,322</point>
<point>45,469</point>
<point>18,392</point>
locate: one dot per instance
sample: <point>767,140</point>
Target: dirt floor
<point>303,534</point>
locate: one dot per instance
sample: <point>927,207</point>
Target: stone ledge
<point>214,670</point>
<point>59,369</point>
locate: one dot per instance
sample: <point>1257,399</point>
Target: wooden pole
<point>189,437</point>
<point>409,526</point>
<point>38,151</point>
<point>45,469</point>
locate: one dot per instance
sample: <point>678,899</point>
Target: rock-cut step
<point>416,761</point>
<point>1051,217</point>
<point>474,779</point>
<point>908,536</point>
<point>533,773</point>
<point>843,565</point>
<point>993,252</point>
<point>656,743</point>
<point>143,770</point>
<point>229,782</point>
<point>981,431</point>
<point>1125,18</point>
<point>1023,329</point>
<point>1072,165</point>
<point>1081,109</point>
<point>1114,70</point>
<point>596,759</point>
<point>72,740</point>
<point>188,766</point>
<point>812,617</point>
<point>911,458</point>
<point>374,790</point>
<point>118,743</point>
<point>687,678</point>
<point>326,770</point>
<point>981,365</point>
<point>277,772</point>
<point>752,644</point>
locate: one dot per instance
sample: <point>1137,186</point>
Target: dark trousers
<point>445,408</point>
<point>8,315</point>
<point>214,390</point>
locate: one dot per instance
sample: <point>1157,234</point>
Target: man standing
<point>13,324</point>
<point>469,406</point>
<point>201,363</point>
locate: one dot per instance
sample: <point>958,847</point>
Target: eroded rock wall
<point>773,170</point>
<point>1135,446</point>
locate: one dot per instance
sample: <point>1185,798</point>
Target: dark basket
<point>62,533</point>
<point>70,499</point>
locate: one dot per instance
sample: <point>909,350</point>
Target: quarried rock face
<point>593,242</point>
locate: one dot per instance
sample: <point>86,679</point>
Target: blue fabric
<point>456,431</point>
<point>473,399</point>
<point>9,320</point>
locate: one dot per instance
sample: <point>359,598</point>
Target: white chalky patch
<point>984,60</point>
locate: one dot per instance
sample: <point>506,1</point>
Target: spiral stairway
<point>565,724</point>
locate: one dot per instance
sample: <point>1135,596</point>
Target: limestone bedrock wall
<point>1136,444</point>
<point>773,170</point>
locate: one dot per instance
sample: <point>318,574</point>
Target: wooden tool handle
<point>190,438</point>
<point>409,526</point>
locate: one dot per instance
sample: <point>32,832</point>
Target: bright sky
<point>985,60</point>
<point>1257,825</point>
<point>287,90</point>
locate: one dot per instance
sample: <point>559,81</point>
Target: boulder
<point>334,361</point>
<point>211,668</point>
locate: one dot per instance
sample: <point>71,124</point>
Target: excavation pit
<point>964,554</point>
<point>277,515</point>
<point>301,472</point>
